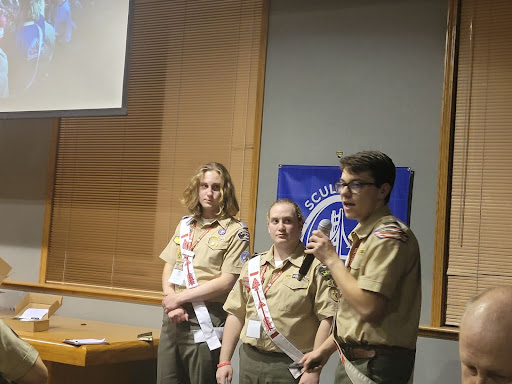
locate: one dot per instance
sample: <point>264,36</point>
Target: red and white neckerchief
<point>209,333</point>
<point>260,302</point>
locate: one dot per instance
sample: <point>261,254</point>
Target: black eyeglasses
<point>355,187</point>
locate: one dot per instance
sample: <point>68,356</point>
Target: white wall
<point>341,75</point>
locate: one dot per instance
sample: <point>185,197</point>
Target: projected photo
<point>59,55</point>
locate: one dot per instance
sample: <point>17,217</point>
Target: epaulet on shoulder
<point>242,224</point>
<point>256,254</point>
<point>392,229</point>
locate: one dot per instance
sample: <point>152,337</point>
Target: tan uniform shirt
<point>223,249</point>
<point>387,261</point>
<point>16,356</point>
<point>296,307</point>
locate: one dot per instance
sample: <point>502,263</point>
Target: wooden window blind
<point>194,96</point>
<point>480,243</point>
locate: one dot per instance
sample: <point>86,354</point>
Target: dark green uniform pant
<point>180,360</point>
<point>257,367</point>
<point>384,369</point>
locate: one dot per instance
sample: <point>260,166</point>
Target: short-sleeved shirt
<point>296,307</point>
<point>16,356</point>
<point>387,261</point>
<point>223,248</point>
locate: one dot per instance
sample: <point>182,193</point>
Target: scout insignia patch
<point>334,293</point>
<point>244,257</point>
<point>245,282</point>
<point>179,257</point>
<point>243,235</point>
<point>392,231</point>
<point>221,231</point>
<point>213,241</point>
<point>176,240</point>
<point>324,272</point>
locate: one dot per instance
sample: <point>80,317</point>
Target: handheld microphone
<point>324,226</point>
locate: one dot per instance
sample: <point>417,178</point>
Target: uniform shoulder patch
<point>391,230</point>
<point>176,240</point>
<point>245,256</point>
<point>243,235</point>
<point>334,294</point>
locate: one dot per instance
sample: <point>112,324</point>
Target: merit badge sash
<point>266,320</point>
<point>210,334</point>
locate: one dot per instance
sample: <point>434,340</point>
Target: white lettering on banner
<point>332,209</point>
<point>325,191</point>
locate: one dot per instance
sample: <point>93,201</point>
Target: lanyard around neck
<point>274,278</point>
<point>191,236</point>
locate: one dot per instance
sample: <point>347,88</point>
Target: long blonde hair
<point>228,204</point>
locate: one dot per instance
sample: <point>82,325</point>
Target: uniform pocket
<point>294,295</point>
<point>358,263</point>
<point>212,256</point>
<point>295,284</point>
<point>216,243</point>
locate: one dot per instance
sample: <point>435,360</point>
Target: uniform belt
<point>354,351</point>
<point>270,353</point>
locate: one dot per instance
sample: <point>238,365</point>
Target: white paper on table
<point>33,314</point>
<point>85,341</point>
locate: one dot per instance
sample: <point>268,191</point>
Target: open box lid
<point>39,301</point>
<point>4,269</point>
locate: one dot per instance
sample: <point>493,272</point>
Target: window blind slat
<point>480,249</point>
<point>192,98</point>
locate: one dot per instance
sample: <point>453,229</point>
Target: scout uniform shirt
<point>387,261</point>
<point>296,307</point>
<point>16,356</point>
<point>223,247</point>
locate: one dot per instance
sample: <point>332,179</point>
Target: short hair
<point>228,204</point>
<point>379,165</point>
<point>486,292</point>
<point>298,212</point>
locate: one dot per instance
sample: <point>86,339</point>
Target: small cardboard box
<point>39,301</point>
<point>4,269</point>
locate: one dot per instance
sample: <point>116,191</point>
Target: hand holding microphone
<point>325,227</point>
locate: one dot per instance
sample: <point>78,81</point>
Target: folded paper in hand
<point>79,342</point>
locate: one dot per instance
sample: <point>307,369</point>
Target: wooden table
<point>124,360</point>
